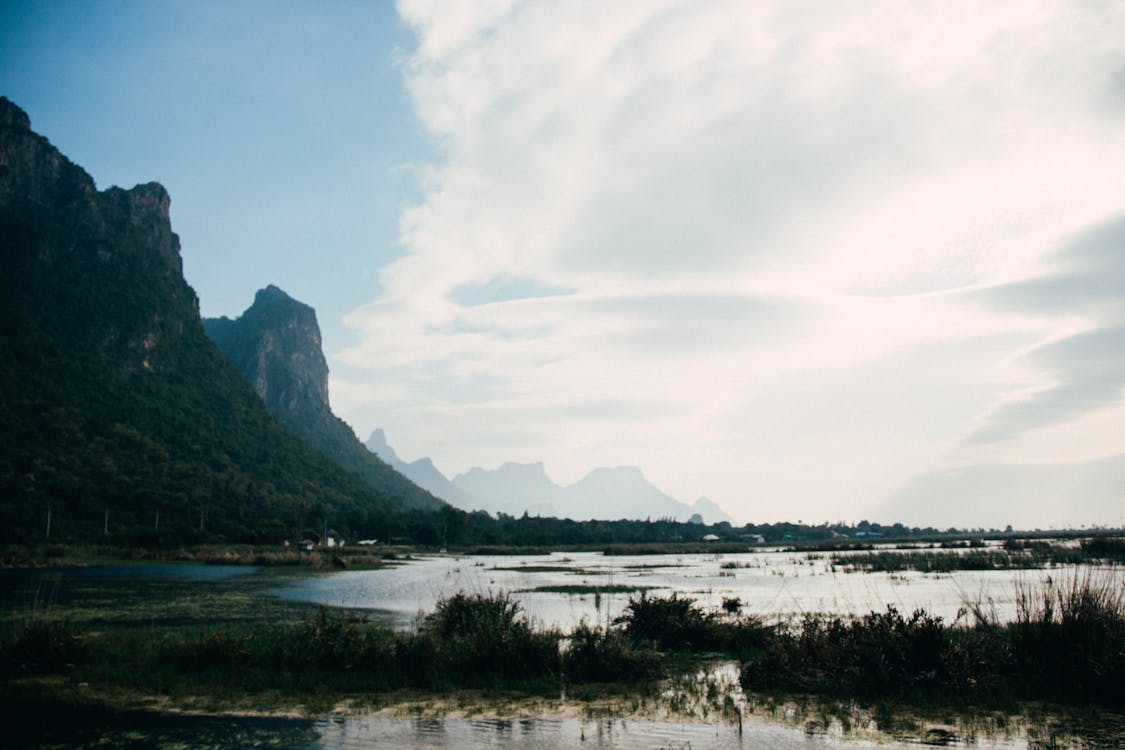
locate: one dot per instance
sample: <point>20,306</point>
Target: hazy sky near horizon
<point>813,261</point>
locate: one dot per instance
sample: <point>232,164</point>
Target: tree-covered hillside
<point>276,346</point>
<point>112,397</point>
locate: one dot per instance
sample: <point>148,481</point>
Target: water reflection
<point>771,584</point>
<point>699,709</point>
<point>707,709</point>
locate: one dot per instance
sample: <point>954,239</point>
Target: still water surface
<point>769,584</point>
<point>700,711</point>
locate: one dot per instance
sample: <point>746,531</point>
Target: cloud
<point>654,220</point>
<point>1084,284</point>
<point>1059,495</point>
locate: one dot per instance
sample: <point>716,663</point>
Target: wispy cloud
<point>1082,371</point>
<point>694,236</point>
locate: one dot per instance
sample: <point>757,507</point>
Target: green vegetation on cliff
<point>276,346</point>
<point>119,413</point>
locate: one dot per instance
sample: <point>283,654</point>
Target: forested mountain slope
<point>114,402</point>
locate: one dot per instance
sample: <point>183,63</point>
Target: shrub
<point>1067,643</point>
<point>670,622</point>
<point>480,638</point>
<point>882,653</point>
<point>607,655</point>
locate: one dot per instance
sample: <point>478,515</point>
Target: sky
<point>815,261</point>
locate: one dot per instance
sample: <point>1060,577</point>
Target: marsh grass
<point>1105,548</point>
<point>67,556</point>
<point>676,548</point>
<point>605,655</point>
<point>41,640</point>
<point>582,589</point>
<point>467,641</point>
<point>1021,558</point>
<point>679,624</point>
<point>1066,644</point>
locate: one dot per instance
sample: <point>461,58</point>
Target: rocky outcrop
<point>60,227</point>
<point>276,345</point>
<point>112,397</point>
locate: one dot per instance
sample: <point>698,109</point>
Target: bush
<point>481,638</point>
<point>597,655</point>
<point>668,621</point>
<point>1067,643</point>
<point>882,653</point>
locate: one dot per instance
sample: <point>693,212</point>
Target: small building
<point>710,538</point>
<point>306,545</point>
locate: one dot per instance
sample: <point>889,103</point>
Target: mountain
<point>605,493</point>
<point>119,414</point>
<point>276,345</point>
<point>623,492</point>
<point>710,511</point>
<point>422,472</point>
<point>514,489</point>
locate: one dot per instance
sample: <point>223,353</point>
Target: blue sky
<point>281,130</point>
<point>812,261</point>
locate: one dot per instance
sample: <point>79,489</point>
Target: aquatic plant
<point>678,623</point>
<point>41,646</point>
<point>1016,558</point>
<point>607,655</point>
<point>483,637</point>
<point>1067,643</point>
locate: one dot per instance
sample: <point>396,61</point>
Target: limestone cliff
<point>276,345</point>
<point>112,397</point>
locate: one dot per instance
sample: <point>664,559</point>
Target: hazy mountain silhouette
<point>513,488</point>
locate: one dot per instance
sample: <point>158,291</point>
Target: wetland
<point>555,649</point>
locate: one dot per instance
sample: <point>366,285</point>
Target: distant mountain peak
<point>616,473</point>
<point>271,294</point>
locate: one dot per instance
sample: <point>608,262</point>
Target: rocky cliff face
<point>276,346</point>
<point>60,228</point>
<point>112,397</point>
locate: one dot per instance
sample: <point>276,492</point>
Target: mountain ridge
<point>604,493</point>
<point>123,422</point>
<point>276,345</point>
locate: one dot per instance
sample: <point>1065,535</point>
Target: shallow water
<point>787,726</point>
<point>769,584</point>
<point>548,734</point>
<point>696,711</point>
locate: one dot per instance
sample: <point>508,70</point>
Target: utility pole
<point>48,519</point>
<point>156,524</point>
<point>105,526</point>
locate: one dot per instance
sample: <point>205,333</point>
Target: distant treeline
<point>166,522</point>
